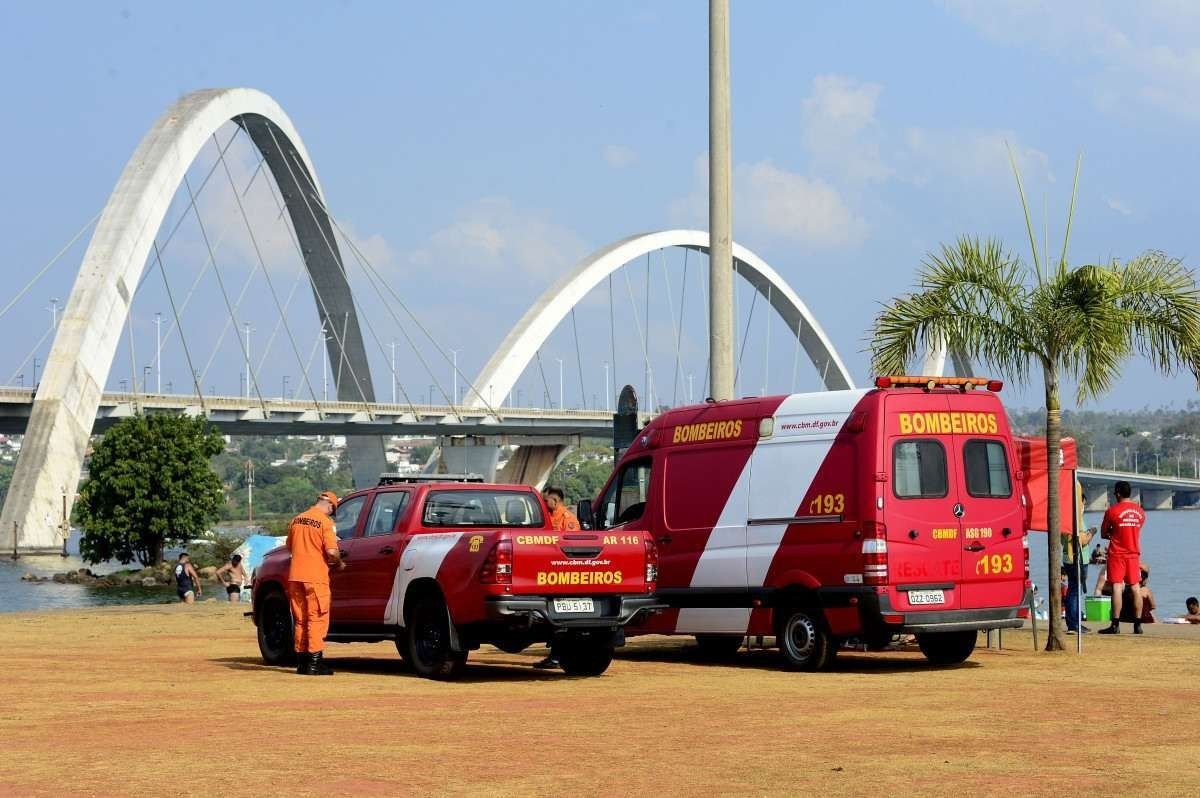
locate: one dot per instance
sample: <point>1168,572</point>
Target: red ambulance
<point>825,516</point>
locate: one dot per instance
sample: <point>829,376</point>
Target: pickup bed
<point>442,567</point>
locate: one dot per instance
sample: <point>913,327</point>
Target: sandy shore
<point>128,701</point>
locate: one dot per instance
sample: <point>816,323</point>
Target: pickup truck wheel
<point>584,655</point>
<point>803,641</point>
<point>429,650</point>
<point>947,648</point>
<point>719,646</point>
<point>275,629</point>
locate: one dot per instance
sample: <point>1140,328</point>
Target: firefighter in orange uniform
<point>562,519</point>
<point>312,540</point>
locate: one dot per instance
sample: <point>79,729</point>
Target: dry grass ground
<point>173,700</point>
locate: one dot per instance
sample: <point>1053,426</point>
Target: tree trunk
<point>1056,635</point>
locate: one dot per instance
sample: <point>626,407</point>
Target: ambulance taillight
<point>1025,553</point>
<point>874,554</point>
<point>497,568</point>
<point>651,562</point>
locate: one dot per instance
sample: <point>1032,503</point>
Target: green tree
<point>149,485</point>
<point>1079,323</point>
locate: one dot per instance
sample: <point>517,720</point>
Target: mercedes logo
<point>958,510</point>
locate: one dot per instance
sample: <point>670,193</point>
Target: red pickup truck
<point>443,565</point>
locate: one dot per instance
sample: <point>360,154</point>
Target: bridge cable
<point>304,195</point>
<point>175,324</point>
<point>225,294</point>
<point>637,323</point>
<point>796,355</point>
<point>542,371</point>
<point>328,318</point>
<point>183,340</point>
<point>745,337</point>
<point>675,327</point>
<point>707,314</point>
<point>21,367</point>
<point>183,214</point>
<point>612,335</point>
<point>578,361</point>
<point>267,276</point>
<point>649,372</point>
<point>737,317</point>
<point>767,352</point>
<point>41,272</point>
<point>679,329</point>
<point>370,270</point>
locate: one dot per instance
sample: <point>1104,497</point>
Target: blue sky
<point>477,150</point>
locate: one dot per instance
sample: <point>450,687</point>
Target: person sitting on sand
<point>1193,610</point>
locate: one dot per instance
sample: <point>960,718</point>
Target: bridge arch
<point>64,407</point>
<point>520,346</point>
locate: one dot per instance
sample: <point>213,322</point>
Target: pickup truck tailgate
<point>578,563</point>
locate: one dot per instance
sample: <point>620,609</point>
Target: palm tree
<point>1079,323</point>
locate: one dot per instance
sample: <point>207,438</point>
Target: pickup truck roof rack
<point>394,478</point>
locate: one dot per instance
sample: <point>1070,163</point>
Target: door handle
<point>974,547</point>
<point>664,540</point>
<point>343,553</point>
<point>388,550</point>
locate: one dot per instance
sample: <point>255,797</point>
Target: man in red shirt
<point>1122,528</point>
<point>312,540</point>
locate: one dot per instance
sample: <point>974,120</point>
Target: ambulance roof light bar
<point>929,383</point>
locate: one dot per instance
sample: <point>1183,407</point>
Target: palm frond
<point>970,296</point>
<point>1062,260</point>
<point>1160,298</point>
<point>1037,261</point>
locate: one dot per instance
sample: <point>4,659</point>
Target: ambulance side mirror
<point>583,511</point>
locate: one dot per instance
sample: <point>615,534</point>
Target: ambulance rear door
<point>923,507</point>
<point>993,555</point>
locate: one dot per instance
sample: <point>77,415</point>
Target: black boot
<point>1113,629</point>
<point>1137,627</point>
<point>317,666</point>
<point>302,662</point>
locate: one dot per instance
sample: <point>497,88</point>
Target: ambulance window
<point>346,517</point>
<point>919,469</point>
<point>625,499</point>
<point>987,469</point>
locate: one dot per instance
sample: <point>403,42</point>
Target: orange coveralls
<point>309,536</point>
<point>563,520</point>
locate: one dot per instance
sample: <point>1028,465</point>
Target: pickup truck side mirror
<point>583,511</point>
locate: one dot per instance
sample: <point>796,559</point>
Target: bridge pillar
<point>1157,499</point>
<point>530,464</point>
<point>470,454</point>
<point>1097,498</point>
<point>1187,498</point>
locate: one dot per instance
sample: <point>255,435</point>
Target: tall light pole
<point>454,377</point>
<point>1091,455</point>
<point>285,382</point>
<point>249,492</point>
<point>248,329</point>
<point>53,312</point>
<point>691,376</point>
<point>325,339</point>
<point>158,352</point>
<point>720,214</point>
<point>560,382</point>
<point>393,372</point>
<point>607,389</point>
<point>35,368</point>
<point>146,378</point>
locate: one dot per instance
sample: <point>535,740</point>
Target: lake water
<point>1170,546</point>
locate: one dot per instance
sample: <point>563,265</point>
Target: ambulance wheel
<point>804,643</point>
<point>719,646</point>
<point>429,650</point>
<point>275,630</point>
<point>584,655</point>
<point>947,648</point>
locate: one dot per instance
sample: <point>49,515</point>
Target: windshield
<point>494,508</point>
